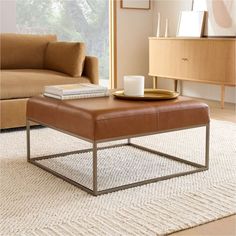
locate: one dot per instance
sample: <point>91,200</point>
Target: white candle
<point>134,85</point>
<point>166,29</point>
<point>158,24</point>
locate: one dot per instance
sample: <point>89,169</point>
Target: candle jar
<point>134,85</point>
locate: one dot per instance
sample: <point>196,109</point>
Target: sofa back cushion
<point>24,51</point>
<point>66,57</point>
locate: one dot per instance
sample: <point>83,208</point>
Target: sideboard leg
<point>222,96</point>
<point>181,87</point>
<point>176,85</point>
<point>155,82</point>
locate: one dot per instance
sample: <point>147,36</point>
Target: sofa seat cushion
<point>24,83</point>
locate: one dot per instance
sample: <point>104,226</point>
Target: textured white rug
<point>34,202</point>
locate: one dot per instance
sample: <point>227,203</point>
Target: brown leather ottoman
<point>99,120</point>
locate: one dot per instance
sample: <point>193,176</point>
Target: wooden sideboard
<point>205,60</point>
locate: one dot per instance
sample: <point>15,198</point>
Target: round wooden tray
<point>149,94</point>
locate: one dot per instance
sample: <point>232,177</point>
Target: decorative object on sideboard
<point>221,17</point>
<point>191,24</point>
<point>139,5</point>
<point>166,28</point>
<point>158,24</point>
<point>134,85</point>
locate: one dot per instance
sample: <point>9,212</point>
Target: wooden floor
<point>227,114</point>
<point>225,226</point>
<point>222,227</point>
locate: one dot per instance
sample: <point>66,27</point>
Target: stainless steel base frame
<point>95,191</point>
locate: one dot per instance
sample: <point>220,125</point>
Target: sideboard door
<point>164,58</point>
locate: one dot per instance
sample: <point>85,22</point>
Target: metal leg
<point>28,139</point>
<point>95,168</point>
<point>94,191</point>
<point>207,146</point>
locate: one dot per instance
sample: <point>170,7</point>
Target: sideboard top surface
<point>192,38</point>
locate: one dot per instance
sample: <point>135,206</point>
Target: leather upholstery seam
<point>113,118</point>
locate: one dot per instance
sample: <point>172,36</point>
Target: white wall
<point>133,29</point>
<point>8,16</point>
<point>171,9</point>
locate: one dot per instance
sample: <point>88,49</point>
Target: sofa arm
<point>91,69</point>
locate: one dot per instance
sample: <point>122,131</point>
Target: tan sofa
<point>29,62</point>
